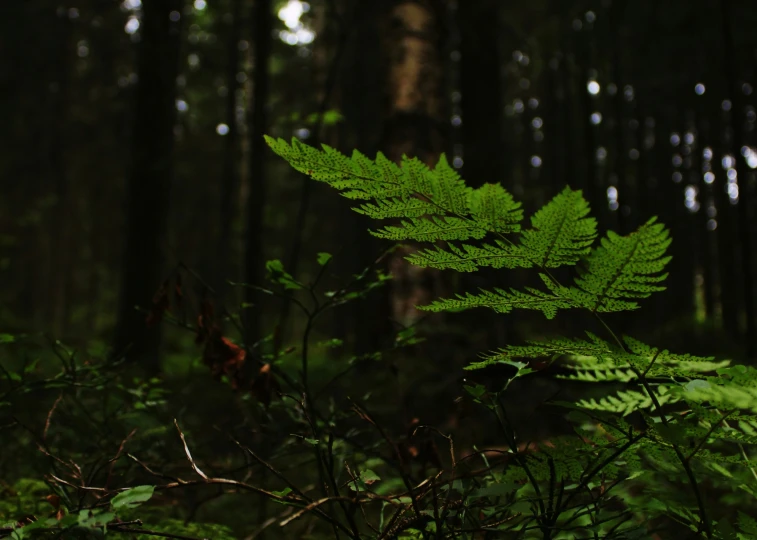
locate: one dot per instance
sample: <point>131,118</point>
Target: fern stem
<point>705,522</point>
<point>513,444</point>
<point>609,330</point>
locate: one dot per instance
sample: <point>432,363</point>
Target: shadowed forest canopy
<point>161,238</point>
<point>136,140</point>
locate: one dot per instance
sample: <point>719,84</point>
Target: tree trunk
<point>415,102</point>
<point>230,172</point>
<point>254,262</point>
<point>746,198</point>
<point>485,157</point>
<point>481,94</point>
<point>61,249</point>
<point>727,235</point>
<point>706,201</point>
<point>360,101</point>
<point>149,180</point>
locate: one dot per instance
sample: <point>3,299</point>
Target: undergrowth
<point>308,453</point>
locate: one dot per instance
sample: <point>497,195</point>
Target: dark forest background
<point>133,143</point>
<point>133,162</point>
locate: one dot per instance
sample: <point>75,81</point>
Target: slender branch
<point>188,453</point>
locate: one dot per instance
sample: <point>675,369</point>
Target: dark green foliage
<point>438,208</point>
<point>659,441</point>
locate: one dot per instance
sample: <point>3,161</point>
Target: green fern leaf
<point>502,301</point>
<point>720,393</point>
<point>626,402</point>
<point>432,229</point>
<point>397,208</point>
<point>623,267</point>
<point>468,258</point>
<point>599,375</point>
<point>494,208</point>
<point>663,363</point>
<point>437,206</point>
<point>594,348</point>
<point>734,436</point>
<point>448,190</point>
<point>561,231</point>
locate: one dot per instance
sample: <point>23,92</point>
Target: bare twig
<point>50,415</point>
<point>188,453</point>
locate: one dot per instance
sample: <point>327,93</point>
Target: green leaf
<point>697,384</point>
<point>623,269</point>
<point>132,498</point>
<point>323,257</point>
<point>95,519</point>
<point>503,301</point>
<point>475,390</point>
<point>369,477</point>
<point>332,343</point>
<point>283,493</point>
<point>560,231</point>
<point>493,207</point>
<point>277,274</point>
<point>330,118</point>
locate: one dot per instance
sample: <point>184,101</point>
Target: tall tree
<point>485,156</point>
<point>230,171</point>
<point>149,177</point>
<point>745,196</point>
<point>56,149</point>
<point>360,101</point>
<point>481,92</point>
<point>262,42</point>
<point>415,120</point>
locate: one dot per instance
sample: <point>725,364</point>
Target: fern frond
<point>357,177</point>
<point>468,258</point>
<point>709,455</point>
<point>432,229</point>
<point>435,205</point>
<point>733,435</point>
<point>594,348</point>
<point>448,190</point>
<point>599,375</point>
<point>625,402</point>
<point>495,209</point>
<point>560,231</point>
<point>501,301</point>
<point>397,208</point>
<point>436,202</point>
<point>622,268</point>
<point>720,393</point>
<point>663,363</point>
<point>740,374</point>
